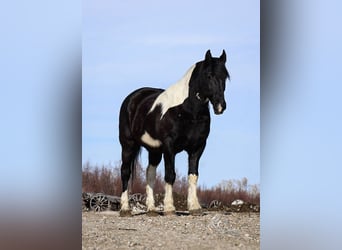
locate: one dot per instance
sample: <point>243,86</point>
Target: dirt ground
<point>214,230</point>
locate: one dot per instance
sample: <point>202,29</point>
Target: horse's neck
<point>195,106</point>
<point>175,94</point>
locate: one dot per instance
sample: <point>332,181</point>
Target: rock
<point>237,202</point>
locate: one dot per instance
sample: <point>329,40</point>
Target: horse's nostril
<point>219,108</point>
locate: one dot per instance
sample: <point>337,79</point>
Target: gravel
<point>214,230</point>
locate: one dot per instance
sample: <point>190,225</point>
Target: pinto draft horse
<point>167,122</point>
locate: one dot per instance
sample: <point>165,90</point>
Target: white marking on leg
<point>168,200</point>
<point>146,138</point>
<point>193,203</point>
<point>150,179</point>
<point>175,94</point>
<point>124,201</point>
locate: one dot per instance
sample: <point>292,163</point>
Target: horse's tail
<point>134,164</point>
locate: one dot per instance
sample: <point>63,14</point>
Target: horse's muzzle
<point>219,108</point>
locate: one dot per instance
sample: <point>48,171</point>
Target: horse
<point>169,121</point>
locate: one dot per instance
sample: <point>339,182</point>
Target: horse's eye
<point>210,76</point>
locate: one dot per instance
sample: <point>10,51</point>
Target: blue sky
<point>127,45</point>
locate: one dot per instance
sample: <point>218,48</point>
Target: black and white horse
<point>167,122</point>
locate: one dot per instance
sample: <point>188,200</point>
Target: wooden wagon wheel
<point>85,201</point>
<point>99,202</point>
<point>140,197</point>
<point>137,197</point>
<point>215,204</point>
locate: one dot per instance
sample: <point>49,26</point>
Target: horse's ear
<point>208,55</point>
<point>223,57</point>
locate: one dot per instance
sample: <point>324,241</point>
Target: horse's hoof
<point>152,213</point>
<point>167,213</point>
<point>196,212</point>
<point>125,213</point>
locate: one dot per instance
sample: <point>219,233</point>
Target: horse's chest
<point>182,129</point>
<point>192,133</point>
<point>187,125</point>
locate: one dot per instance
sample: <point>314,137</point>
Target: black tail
<point>134,164</point>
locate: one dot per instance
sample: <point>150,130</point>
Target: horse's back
<point>140,101</point>
<point>136,98</point>
<point>139,94</point>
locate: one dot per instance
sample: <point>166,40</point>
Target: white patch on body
<point>168,200</point>
<point>150,179</point>
<point>193,203</point>
<point>124,201</point>
<point>175,94</point>
<point>146,138</point>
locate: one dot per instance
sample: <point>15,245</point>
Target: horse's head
<point>211,79</point>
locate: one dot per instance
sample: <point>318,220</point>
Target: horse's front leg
<point>193,204</point>
<point>170,176</point>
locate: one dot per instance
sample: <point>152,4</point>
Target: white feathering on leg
<point>124,201</point>
<point>150,179</point>
<point>193,203</point>
<point>168,200</point>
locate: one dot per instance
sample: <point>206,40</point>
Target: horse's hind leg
<point>153,161</point>
<point>129,154</point>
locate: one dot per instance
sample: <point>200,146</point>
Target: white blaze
<point>168,200</point>
<point>175,94</point>
<point>219,108</point>
<point>193,203</point>
<point>150,179</point>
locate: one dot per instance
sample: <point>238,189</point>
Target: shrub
<point>107,179</point>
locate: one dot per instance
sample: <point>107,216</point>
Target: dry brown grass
<point>106,179</point>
